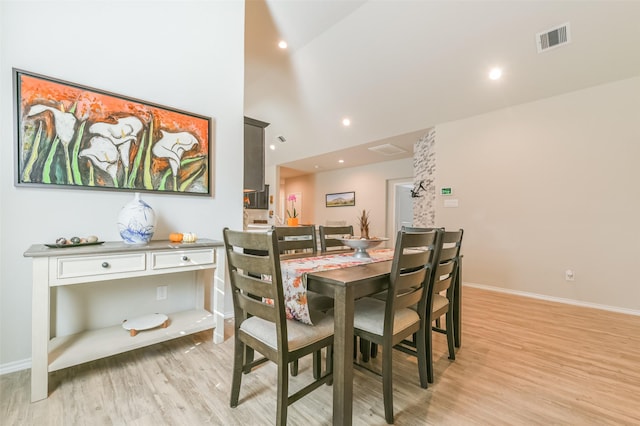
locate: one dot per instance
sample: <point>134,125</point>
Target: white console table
<point>115,260</point>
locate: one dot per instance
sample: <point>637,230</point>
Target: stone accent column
<point>424,169</point>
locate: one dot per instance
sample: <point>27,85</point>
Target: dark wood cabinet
<point>254,154</point>
<point>259,199</point>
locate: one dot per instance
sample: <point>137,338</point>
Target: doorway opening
<point>399,206</point>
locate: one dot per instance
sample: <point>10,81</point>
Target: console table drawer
<point>72,267</point>
<point>176,259</point>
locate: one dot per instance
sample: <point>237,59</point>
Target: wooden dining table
<point>346,285</point>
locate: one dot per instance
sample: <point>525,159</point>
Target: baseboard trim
<point>554,299</point>
<point>12,367</point>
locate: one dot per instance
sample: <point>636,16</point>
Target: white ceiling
<point>399,67</point>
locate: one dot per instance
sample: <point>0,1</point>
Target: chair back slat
<point>451,240</point>
<point>252,306</point>
<point>297,238</point>
<point>443,277</point>
<point>410,288</point>
<point>452,237</point>
<point>286,245</point>
<point>329,236</point>
<point>448,253</point>
<point>251,263</point>
<point>414,258</point>
<point>252,285</point>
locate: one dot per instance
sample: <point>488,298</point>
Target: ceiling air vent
<point>553,38</point>
<point>387,149</point>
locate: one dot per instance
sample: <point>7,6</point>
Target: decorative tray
<point>145,322</point>
<point>74,245</point>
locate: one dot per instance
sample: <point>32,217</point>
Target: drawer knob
<point>185,258</point>
<point>105,264</point>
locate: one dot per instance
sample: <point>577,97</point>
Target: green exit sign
<point>446,191</point>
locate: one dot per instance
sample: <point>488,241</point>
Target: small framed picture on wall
<point>340,199</point>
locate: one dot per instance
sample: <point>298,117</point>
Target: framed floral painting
<point>74,136</point>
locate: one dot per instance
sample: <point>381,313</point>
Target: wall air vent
<point>387,149</point>
<point>553,38</point>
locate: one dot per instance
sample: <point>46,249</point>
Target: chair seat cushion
<point>439,302</point>
<point>369,316</point>
<point>299,334</point>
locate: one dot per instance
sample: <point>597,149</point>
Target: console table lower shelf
<point>100,264</point>
<point>67,351</point>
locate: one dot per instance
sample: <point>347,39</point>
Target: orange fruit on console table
<point>175,237</point>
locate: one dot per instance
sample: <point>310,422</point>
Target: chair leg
<point>317,364</point>
<point>283,395</point>
<point>330,363</point>
<point>293,366</point>
<point>365,349</point>
<point>374,350</point>
<point>238,355</point>
<point>387,384</point>
<point>355,347</point>
<point>451,335</point>
<point>429,351</point>
<point>421,352</point>
<point>248,358</point>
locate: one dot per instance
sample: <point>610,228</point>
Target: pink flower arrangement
<point>293,200</point>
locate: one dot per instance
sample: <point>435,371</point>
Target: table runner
<point>294,277</point>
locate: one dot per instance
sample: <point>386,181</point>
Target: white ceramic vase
<point>136,221</point>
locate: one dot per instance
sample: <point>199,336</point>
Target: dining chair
<point>329,237</point>
<point>260,319</point>
<point>403,313</point>
<point>368,349</point>
<point>294,241</point>
<point>440,297</point>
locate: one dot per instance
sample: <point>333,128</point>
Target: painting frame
<point>340,199</point>
<point>71,136</point>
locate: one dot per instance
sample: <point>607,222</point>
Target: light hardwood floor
<point>523,362</point>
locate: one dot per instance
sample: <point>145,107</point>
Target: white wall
<point>549,186</point>
<point>370,185</point>
<point>305,205</point>
<point>184,54</point>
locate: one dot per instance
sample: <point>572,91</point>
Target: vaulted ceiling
<point>399,67</point>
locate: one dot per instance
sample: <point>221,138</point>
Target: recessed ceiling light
<point>273,147</point>
<point>340,161</point>
<point>282,44</point>
<point>316,167</point>
<point>495,73</point>
<point>346,122</point>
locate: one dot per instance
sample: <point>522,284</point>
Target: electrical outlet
<point>569,275</point>
<point>161,292</point>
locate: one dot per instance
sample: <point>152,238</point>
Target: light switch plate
<point>451,203</point>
